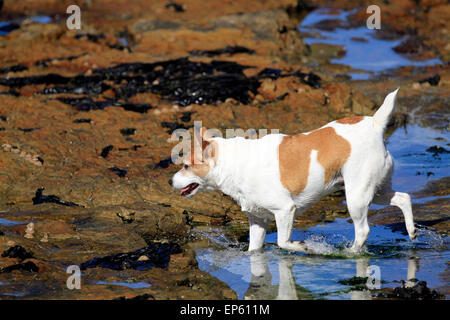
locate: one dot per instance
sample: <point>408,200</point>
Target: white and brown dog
<point>281,176</point>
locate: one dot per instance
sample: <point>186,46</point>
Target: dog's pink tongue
<point>184,190</point>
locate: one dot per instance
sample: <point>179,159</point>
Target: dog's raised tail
<point>383,114</point>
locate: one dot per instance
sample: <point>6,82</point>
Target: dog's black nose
<point>170,181</point>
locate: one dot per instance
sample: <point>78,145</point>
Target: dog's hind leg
<point>285,220</point>
<point>387,196</point>
<point>258,228</point>
<point>358,200</point>
<point>358,212</point>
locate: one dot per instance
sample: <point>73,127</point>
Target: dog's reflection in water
<point>363,270</point>
<point>261,286</point>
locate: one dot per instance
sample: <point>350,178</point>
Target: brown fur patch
<point>199,167</point>
<point>350,120</point>
<point>200,170</point>
<point>294,154</point>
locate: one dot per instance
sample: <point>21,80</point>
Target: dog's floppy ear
<point>200,144</point>
<point>201,138</point>
<point>208,134</point>
<point>205,136</point>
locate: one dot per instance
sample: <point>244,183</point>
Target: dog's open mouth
<point>188,190</point>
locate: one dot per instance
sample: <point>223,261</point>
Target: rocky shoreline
<point>87,116</point>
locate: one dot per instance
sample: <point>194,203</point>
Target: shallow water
<point>276,273</point>
<point>372,55</point>
<point>8,26</point>
<point>133,285</point>
<point>41,19</point>
<point>5,222</point>
<point>412,162</point>
<point>317,276</point>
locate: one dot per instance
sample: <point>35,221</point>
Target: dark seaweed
<point>418,292</point>
<point>45,62</point>
<point>271,73</point>
<point>230,50</point>
<point>101,36</point>
<point>28,129</point>
<point>177,7</point>
<point>183,81</point>
<point>15,68</point>
<point>180,80</point>
<point>437,150</point>
<point>82,120</point>
<point>80,84</point>
<point>357,283</point>
<point>127,39</point>
<point>279,98</point>
<point>172,126</point>
<point>164,163</point>
<point>11,92</point>
<point>309,78</point>
<point>3,118</point>
<point>92,88</point>
<point>90,36</point>
<point>135,107</point>
<point>134,148</point>
<point>40,198</point>
<point>434,80</point>
<point>158,255</point>
<point>120,172</point>
<point>50,78</point>
<point>9,27</point>
<point>106,150</point>
<point>429,173</point>
<point>208,89</point>
<point>410,46</point>
<point>186,117</point>
<point>87,104</point>
<point>17,252</point>
<point>127,131</point>
<point>300,8</point>
<point>145,296</point>
<point>27,266</point>
<point>117,46</point>
<point>282,30</point>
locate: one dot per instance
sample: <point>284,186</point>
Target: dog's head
<point>193,176</point>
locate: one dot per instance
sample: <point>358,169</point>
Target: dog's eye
<point>186,167</point>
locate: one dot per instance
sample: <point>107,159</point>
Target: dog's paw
<point>413,234</point>
<point>296,246</point>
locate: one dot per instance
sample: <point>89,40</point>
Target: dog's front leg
<point>285,219</point>
<point>258,228</point>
